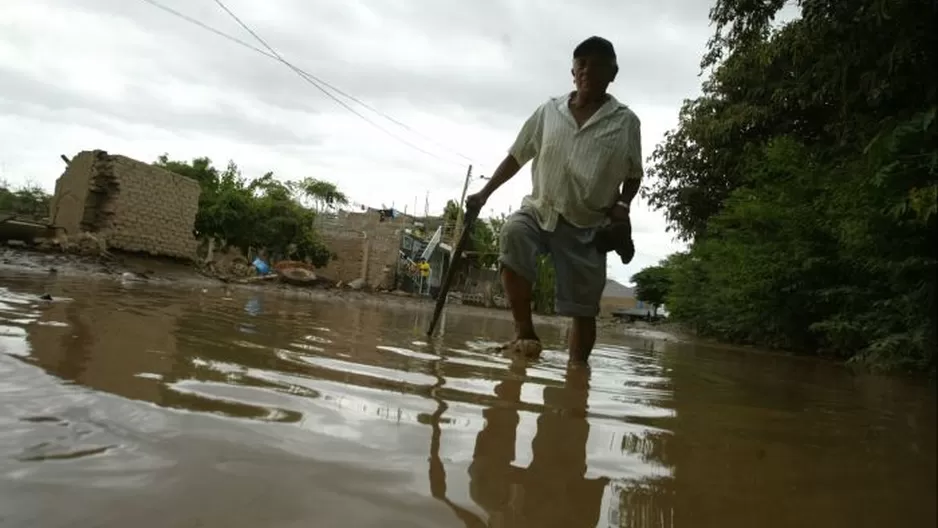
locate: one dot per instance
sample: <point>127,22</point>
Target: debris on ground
<point>297,276</point>
<point>87,244</point>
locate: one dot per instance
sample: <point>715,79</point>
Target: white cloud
<point>124,76</point>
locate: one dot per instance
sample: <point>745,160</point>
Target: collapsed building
<point>132,206</point>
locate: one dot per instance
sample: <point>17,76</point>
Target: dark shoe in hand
<point>617,237</point>
<point>626,251</point>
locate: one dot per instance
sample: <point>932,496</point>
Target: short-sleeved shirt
<point>577,173</point>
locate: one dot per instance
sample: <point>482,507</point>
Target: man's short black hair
<point>596,46</point>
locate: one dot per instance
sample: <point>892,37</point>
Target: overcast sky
<point>126,77</point>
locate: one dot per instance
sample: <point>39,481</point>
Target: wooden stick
<point>471,215</point>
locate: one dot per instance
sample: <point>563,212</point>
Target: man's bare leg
<point>581,339</point>
<point>519,292</point>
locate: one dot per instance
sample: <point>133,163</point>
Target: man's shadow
<point>553,490</point>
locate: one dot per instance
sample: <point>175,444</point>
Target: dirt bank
<point>21,260</point>
<point>117,266</point>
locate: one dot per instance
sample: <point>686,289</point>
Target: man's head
<point>594,66</point>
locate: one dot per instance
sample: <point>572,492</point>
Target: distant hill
<point>616,289</point>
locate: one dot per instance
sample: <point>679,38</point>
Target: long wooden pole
<point>471,215</point>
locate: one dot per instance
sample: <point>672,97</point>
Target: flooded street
<point>135,405</point>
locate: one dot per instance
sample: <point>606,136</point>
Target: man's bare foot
<point>524,348</point>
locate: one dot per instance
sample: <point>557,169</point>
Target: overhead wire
<point>311,79</point>
<point>330,86</point>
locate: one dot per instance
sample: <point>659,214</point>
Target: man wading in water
<point>587,167</point>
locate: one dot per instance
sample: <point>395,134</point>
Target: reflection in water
<point>253,409</point>
<point>437,471</point>
<point>553,489</point>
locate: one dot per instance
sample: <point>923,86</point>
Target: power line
<point>333,88</point>
<point>303,74</point>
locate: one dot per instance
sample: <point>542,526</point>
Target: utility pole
<point>462,201</point>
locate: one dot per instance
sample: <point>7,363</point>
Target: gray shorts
<point>580,268</point>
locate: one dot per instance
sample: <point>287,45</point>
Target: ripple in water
<point>254,410</point>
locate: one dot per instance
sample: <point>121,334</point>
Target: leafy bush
<point>805,179</point>
<point>263,213</point>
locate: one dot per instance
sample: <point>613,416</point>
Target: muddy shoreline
<point>176,274</point>
<point>157,271</point>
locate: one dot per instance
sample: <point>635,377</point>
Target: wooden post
<point>462,203</point>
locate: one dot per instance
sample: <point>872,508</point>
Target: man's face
<point>592,73</point>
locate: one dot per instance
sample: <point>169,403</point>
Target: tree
<point>450,219</point>
<point>483,239</point>
<point>324,195</point>
<point>543,292</point>
<point>805,178</point>
<point>30,200</point>
<point>496,223</point>
<point>652,285</point>
<point>263,213</point>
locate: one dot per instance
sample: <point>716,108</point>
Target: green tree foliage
<point>27,200</point>
<point>263,213</point>
<point>483,238</point>
<point>806,177</point>
<point>450,219</point>
<point>322,194</point>
<point>495,224</point>
<point>543,293</point>
<point>652,285</point>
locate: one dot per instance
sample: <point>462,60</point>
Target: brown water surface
<point>144,405</point>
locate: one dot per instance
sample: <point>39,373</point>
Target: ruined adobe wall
<point>133,206</point>
<point>383,251</point>
<point>364,246</point>
<point>348,245</point>
<point>154,210</point>
<point>67,205</point>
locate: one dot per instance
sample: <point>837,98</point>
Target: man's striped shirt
<point>578,173</point>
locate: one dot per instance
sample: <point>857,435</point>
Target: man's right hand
<point>476,201</point>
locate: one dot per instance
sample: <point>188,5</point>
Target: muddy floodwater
<point>133,404</point>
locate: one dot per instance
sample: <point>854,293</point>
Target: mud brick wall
<point>349,248</point>
<point>135,206</point>
<point>154,210</point>
<point>383,252</point>
<point>67,205</point>
<point>364,246</point>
